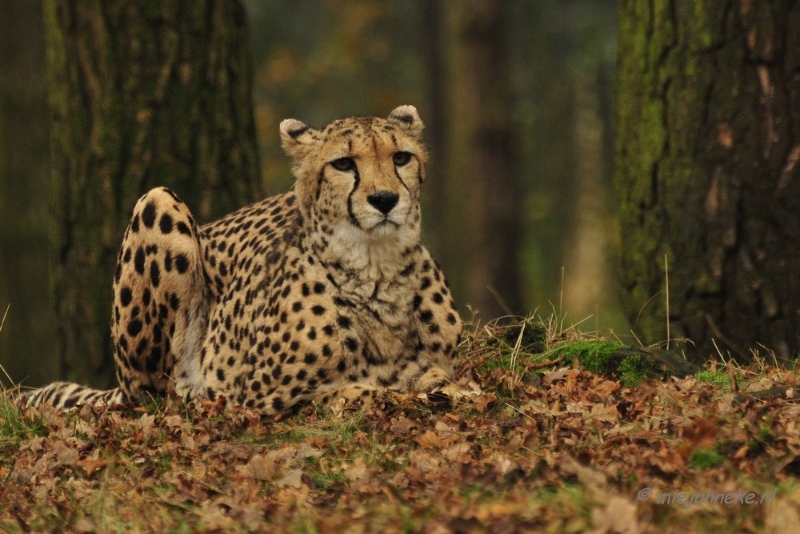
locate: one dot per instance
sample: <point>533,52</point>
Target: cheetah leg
<point>160,309</point>
<point>353,397</point>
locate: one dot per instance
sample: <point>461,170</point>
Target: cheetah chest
<point>377,309</point>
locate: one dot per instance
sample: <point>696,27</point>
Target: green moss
<point>630,364</point>
<point>633,370</point>
<point>765,434</point>
<point>592,355</point>
<point>705,459</point>
<point>718,378</point>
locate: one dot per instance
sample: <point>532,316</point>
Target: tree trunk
<point>708,115</point>
<point>482,165</point>
<point>434,194</point>
<point>27,340</point>
<point>142,94</point>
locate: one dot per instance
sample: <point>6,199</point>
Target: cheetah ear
<point>408,119</point>
<point>296,137</point>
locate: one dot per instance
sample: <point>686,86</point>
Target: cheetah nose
<point>383,201</point>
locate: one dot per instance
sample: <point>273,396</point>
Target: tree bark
<point>482,163</point>
<point>142,94</point>
<point>27,339</point>
<point>708,116</point>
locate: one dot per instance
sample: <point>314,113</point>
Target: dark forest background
<point>534,110</point>
<point>320,60</point>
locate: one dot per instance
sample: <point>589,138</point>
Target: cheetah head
<point>359,178</point>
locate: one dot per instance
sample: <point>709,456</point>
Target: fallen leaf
<point>145,425</point>
<point>357,471</point>
<point>483,401</point>
<point>555,375</point>
<point>619,516</point>
<point>65,454</point>
<point>429,440</point>
<point>401,425</point>
<point>257,468</point>
<point>187,441</point>
<point>293,478</point>
<point>701,433</point>
<point>306,451</point>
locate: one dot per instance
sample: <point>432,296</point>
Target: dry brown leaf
<point>782,516</point>
<point>701,433</point>
<point>619,516</point>
<point>357,471</point>
<point>187,440</point>
<point>306,451</point>
<point>145,424</point>
<point>429,440</point>
<point>65,454</point>
<point>555,375</point>
<point>603,413</point>
<point>759,385</point>
<point>606,387</point>
<point>293,478</point>
<point>174,422</point>
<point>483,401</point>
<point>257,468</point>
<point>401,425</point>
<point>572,380</point>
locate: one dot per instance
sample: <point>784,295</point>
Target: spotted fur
<point>317,294</point>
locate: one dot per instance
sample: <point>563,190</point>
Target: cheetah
<point>321,293</point>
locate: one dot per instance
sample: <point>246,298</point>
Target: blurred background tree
<point>482,238</point>
<point>27,341</point>
<point>708,107</point>
<point>499,210</point>
<point>516,96</point>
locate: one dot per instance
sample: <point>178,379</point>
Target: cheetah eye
<point>401,158</point>
<point>343,164</point>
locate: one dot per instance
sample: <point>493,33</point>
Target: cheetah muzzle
<point>318,294</point>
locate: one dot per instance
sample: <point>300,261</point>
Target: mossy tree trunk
<point>708,117</point>
<point>142,94</point>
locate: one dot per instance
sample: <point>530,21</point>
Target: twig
<point>7,376</point>
<point>763,395</point>
<point>540,365</point>
<point>666,277</point>
<point>722,337</point>
<point>639,341</point>
<point>732,378</point>
<point>4,317</point>
<point>561,293</point>
<point>500,301</point>
<point>515,355</point>
<point>520,411</point>
<point>636,322</point>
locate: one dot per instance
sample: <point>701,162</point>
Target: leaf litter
<point>529,448</point>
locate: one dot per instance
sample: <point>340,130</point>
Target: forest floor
<point>542,444</point>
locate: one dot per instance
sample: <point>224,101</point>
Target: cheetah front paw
<point>433,380</point>
<point>348,399</point>
<point>436,385</point>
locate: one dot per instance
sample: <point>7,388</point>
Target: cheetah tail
<point>65,395</point>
